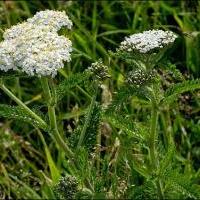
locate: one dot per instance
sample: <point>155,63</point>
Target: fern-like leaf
<point>91,130</point>
<point>179,88</point>
<point>17,113</point>
<point>133,129</point>
<point>125,93</point>
<point>167,159</point>
<point>143,192</point>
<point>70,82</point>
<point>182,185</point>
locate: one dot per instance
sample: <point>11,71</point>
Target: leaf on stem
<point>172,92</point>
<point>17,113</point>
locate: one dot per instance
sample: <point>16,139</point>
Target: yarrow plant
<point>143,52</point>
<point>36,49</point>
<point>142,76</point>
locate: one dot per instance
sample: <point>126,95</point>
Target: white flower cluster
<point>147,41</point>
<point>35,46</point>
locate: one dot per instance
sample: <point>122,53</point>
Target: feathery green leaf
<point>179,88</point>
<point>17,113</point>
<point>70,82</point>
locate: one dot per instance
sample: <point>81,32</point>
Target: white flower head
<point>41,52</point>
<point>54,19</point>
<point>147,41</point>
<point>36,49</point>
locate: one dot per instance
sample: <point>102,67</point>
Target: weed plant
<point>120,118</point>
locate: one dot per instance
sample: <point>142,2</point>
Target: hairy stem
<point>152,147</point>
<point>167,130</point>
<point>164,126</point>
<point>98,151</point>
<point>21,104</point>
<point>52,117</point>
<point>153,136</point>
<point>50,98</point>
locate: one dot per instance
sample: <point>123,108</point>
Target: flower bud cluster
<point>99,70</point>
<point>35,47</point>
<point>140,77</point>
<point>148,40</point>
<point>66,188</point>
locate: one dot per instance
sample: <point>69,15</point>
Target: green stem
<point>153,155</point>
<point>53,124</point>
<point>152,147</point>
<point>164,126</point>
<point>52,117</point>
<point>167,130</point>
<point>84,92</point>
<point>153,136</point>
<point>88,118</point>
<point>98,151</point>
<point>21,104</point>
<point>159,189</point>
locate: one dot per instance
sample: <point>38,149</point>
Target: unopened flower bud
<point>140,77</point>
<point>66,188</point>
<point>99,70</point>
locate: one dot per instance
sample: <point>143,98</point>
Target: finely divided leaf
<point>70,82</point>
<point>17,113</point>
<point>133,129</point>
<point>179,88</point>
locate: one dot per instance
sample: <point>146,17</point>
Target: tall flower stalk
<point>99,72</point>
<point>34,47</point>
<point>153,134</point>
<point>50,99</point>
<point>145,49</point>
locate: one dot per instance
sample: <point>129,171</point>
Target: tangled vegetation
<point>99,99</point>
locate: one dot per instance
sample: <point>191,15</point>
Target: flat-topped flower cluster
<point>148,40</point>
<point>35,47</point>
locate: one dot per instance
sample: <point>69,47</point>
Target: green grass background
<point>99,26</point>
